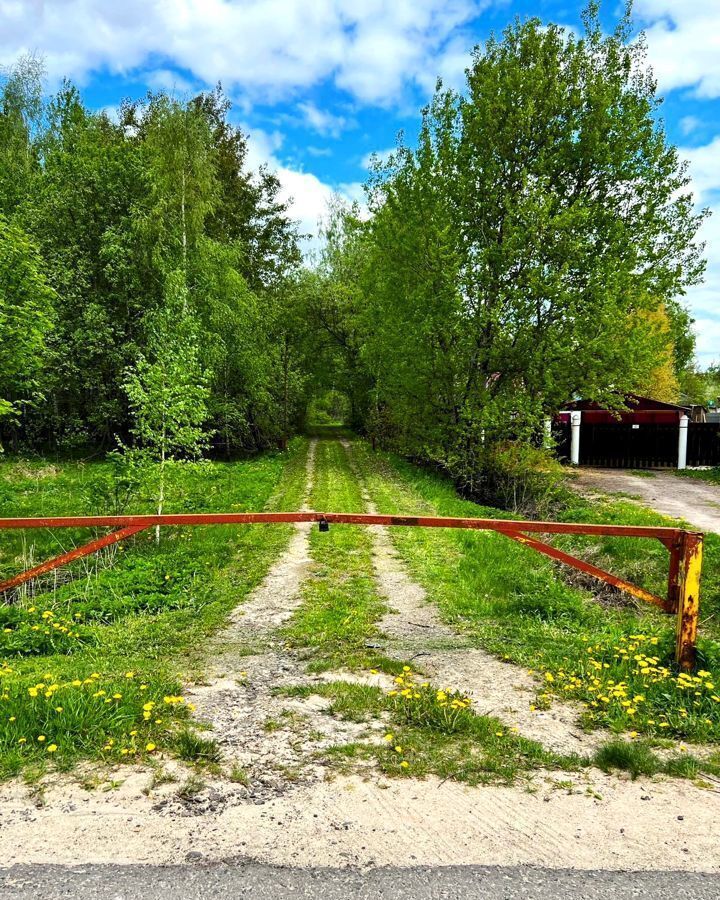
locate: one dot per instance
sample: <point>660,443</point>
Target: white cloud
<point>688,124</point>
<point>322,121</point>
<point>112,111</point>
<point>265,49</point>
<point>308,195</point>
<point>704,167</point>
<point>167,80</point>
<point>354,192</point>
<point>683,43</point>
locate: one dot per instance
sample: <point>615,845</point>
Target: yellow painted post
<point>689,599</point>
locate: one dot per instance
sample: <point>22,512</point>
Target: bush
<point>521,478</point>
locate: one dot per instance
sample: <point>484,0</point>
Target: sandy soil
<point>695,502</point>
<point>590,823</point>
<point>286,808</point>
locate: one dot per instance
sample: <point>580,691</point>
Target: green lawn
<point>92,668</point>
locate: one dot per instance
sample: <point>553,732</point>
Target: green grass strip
<point>617,662</point>
<point>341,606</point>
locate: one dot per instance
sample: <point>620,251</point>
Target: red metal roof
<point>634,402</point>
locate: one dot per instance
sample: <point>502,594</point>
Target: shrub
<point>521,478</point>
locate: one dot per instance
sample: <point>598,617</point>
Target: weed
<point>238,775</point>
<point>633,757</point>
<point>190,789</point>
<point>191,747</point>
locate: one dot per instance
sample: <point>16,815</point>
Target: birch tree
<point>167,389</point>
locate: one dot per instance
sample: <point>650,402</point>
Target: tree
<point>539,213</point>
<point>661,382</point>
<point>26,303</point>
<point>114,208</point>
<point>167,390</point>
<point>21,110</point>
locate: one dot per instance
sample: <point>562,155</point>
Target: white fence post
<point>682,442</point>
<point>575,419</point>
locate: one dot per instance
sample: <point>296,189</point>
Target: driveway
<point>696,502</point>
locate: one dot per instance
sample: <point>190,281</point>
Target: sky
<point>320,85</point>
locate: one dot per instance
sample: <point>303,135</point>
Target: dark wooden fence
<point>645,446</point>
<point>703,444</point>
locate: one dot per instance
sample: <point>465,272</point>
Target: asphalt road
<point>239,880</point>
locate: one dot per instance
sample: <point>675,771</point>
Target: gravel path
<point>695,502</point>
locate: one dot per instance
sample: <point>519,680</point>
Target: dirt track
<point>293,811</point>
<point>694,502</point>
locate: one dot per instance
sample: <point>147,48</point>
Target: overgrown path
<point>295,694</point>
<point>415,632</point>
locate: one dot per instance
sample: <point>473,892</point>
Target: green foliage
<point>26,303</point>
<point>514,476</point>
<point>517,255</point>
<point>167,393</point>
<point>116,211</point>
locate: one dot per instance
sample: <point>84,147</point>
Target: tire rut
<point>414,631</point>
<point>273,740</point>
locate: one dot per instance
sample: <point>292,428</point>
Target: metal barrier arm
<point>685,549</point>
<point>665,535</point>
<point>77,553</point>
<point>559,555</point>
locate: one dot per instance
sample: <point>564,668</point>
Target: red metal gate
<point>685,549</point>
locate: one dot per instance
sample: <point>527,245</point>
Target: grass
<point>616,661</point>
<point>433,732</point>
<point>193,748</point>
<point>637,758</point>
<point>711,476</point>
<point>92,667</point>
<point>340,609</point>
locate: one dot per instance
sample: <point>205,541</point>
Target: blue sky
<point>321,84</point>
